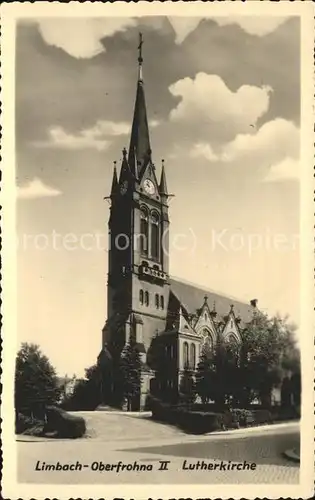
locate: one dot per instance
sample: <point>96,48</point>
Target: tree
<point>227,359</point>
<point>205,374</point>
<point>242,372</point>
<point>187,388</point>
<point>36,383</point>
<point>130,369</point>
<point>216,372</point>
<point>266,352</point>
<point>87,393</point>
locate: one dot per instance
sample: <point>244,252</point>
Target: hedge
<point>199,418</point>
<point>62,424</point>
<point>197,422</point>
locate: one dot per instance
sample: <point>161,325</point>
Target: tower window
<point>146,298</point>
<point>162,302</point>
<point>155,236</point>
<point>141,297</point>
<point>157,301</point>
<point>186,358</point>
<point>144,231</point>
<point>192,361</point>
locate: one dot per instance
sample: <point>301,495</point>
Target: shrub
<point>63,424</point>
<point>283,414</point>
<point>199,422</point>
<point>27,425</point>
<point>242,417</point>
<point>262,416</point>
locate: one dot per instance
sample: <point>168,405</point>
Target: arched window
<point>157,301</point>
<point>207,341</point>
<point>232,339</point>
<point>192,360</point>
<point>146,298</point>
<point>162,302</point>
<point>141,297</point>
<point>155,236</point>
<point>144,231</point>
<point>186,355</point>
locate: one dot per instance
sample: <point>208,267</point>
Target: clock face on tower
<point>149,186</point>
<point>124,187</point>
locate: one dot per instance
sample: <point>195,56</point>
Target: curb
<point>256,428</point>
<point>292,455</point>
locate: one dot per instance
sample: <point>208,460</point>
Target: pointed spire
<point>114,181</point>
<point>163,185</point>
<point>139,149</point>
<point>214,311</point>
<point>125,170</point>
<point>253,303</point>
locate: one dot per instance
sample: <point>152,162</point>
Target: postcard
<point>158,274</point>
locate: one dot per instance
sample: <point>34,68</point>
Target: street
<point>138,441</point>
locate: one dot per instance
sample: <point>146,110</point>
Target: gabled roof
<point>191,297</point>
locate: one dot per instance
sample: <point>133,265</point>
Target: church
<point>142,298</point>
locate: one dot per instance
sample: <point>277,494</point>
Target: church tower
<point>138,266</point>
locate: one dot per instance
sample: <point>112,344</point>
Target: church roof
<point>191,297</point>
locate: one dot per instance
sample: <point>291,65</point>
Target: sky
<point>223,102</point>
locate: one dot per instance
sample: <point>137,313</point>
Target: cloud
<point>36,189</point>
<point>154,123</point>
<point>107,128</point>
<point>81,38</point>
<point>273,148</point>
<point>183,26</point>
<point>275,139</point>
<point>287,169</point>
<point>253,25</point>
<point>92,138</point>
<point>60,139</point>
<point>209,106</point>
<point>203,150</point>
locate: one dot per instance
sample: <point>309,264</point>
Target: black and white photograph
<point>160,214</point>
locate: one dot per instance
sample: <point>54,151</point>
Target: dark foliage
<point>130,370</point>
<point>36,382</point>
<point>87,392</point>
<point>63,425</point>
<point>187,388</point>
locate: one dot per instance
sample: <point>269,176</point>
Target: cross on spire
<point>140,59</point>
<point>140,48</point>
